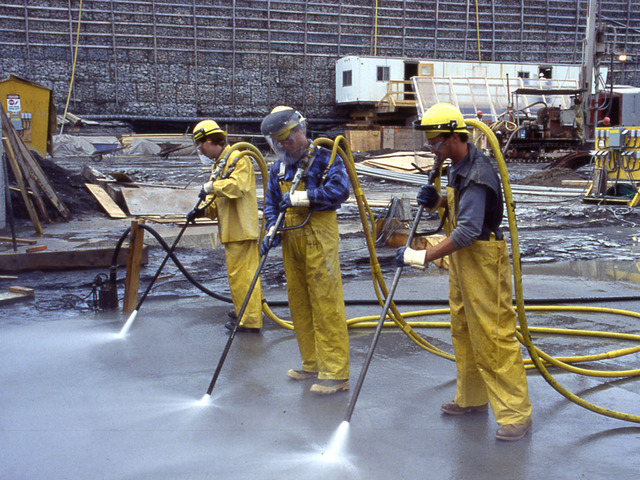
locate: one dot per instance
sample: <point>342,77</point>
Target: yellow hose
<point>539,359</point>
<point>73,67</point>
<point>524,335</point>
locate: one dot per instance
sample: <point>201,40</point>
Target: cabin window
<point>545,72</point>
<point>523,74</point>
<point>347,78</point>
<point>383,74</point>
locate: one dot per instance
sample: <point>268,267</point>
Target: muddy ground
<point>550,228</point>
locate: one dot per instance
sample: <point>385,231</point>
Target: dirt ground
<point>550,228</point>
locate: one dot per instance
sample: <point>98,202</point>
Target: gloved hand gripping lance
<point>387,304</point>
<point>299,175</point>
<point>191,216</point>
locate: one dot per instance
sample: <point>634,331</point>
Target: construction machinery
<point>538,121</point>
<point>616,171</point>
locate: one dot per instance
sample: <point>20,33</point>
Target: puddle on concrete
<point>603,270</point>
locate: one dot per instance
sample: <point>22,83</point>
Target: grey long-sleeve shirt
<point>479,210</point>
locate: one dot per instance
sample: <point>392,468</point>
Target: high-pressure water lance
<point>300,173</point>
<point>129,322</point>
<point>387,304</point>
<point>190,219</point>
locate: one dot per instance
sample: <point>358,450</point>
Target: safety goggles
<point>434,147</point>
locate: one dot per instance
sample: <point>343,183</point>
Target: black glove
<point>202,195</point>
<point>193,214</point>
<point>285,202</point>
<point>264,246</point>
<point>428,196</point>
<point>400,256</point>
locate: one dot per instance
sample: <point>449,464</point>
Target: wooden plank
<point>93,175</point>
<point>40,179</point>
<point>16,145</point>
<point>106,202</point>
<point>179,220</point>
<point>17,173</point>
<point>132,279</point>
<point>405,153</point>
<point>33,169</point>
<point>22,290</point>
<point>65,259</point>
<point>159,201</point>
<point>401,161</point>
<point>19,240</point>
<point>576,183</point>
<point>11,297</point>
<point>363,140</point>
<point>399,164</point>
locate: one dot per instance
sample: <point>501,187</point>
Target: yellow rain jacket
<point>236,208</point>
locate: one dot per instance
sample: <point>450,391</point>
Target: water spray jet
<point>133,315</point>
<point>278,226</point>
<point>337,443</point>
<point>127,325</point>
<point>387,304</point>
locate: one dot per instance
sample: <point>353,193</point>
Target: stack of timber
<point>31,179</point>
<point>121,197</point>
<point>402,161</point>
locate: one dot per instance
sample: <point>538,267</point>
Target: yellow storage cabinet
<point>31,110</point>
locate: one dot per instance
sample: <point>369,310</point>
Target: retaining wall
<point>237,59</point>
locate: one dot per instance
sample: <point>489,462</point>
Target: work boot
<point>300,374</point>
<point>230,325</point>
<point>232,314</point>
<point>452,408</point>
<point>327,387</point>
<point>513,431</point>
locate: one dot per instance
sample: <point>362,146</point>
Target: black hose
<point>167,248</point>
<point>347,302</point>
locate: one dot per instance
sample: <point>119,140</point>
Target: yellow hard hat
<point>280,121</point>
<point>206,128</point>
<point>441,118</point>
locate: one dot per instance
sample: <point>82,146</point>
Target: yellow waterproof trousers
<point>314,287</point>
<point>242,263</point>
<point>483,325</point>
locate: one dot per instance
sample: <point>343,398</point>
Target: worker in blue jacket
<point>310,253</point>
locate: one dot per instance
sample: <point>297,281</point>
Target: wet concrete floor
<point>76,402</point>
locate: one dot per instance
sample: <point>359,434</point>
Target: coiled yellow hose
<point>539,359</point>
<point>524,335</point>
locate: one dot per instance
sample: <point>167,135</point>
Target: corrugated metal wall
<point>235,58</point>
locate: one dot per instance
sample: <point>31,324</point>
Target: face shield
<point>206,161</point>
<point>286,133</point>
<point>434,148</point>
<point>292,147</point>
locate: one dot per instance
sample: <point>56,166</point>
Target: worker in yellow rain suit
<point>236,208</point>
<point>483,320</point>
<point>310,253</point>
